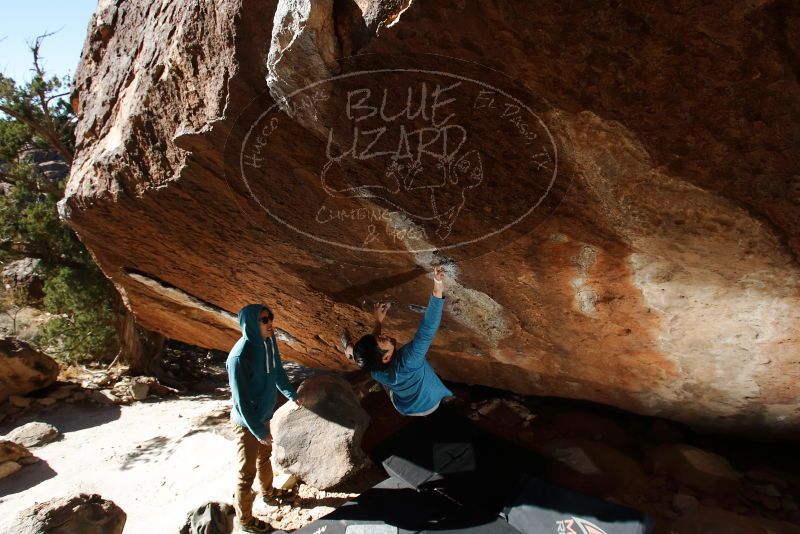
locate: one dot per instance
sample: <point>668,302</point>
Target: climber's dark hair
<point>368,355</point>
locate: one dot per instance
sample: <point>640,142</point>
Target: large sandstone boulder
<point>321,442</point>
<point>617,192</point>
<point>24,369</point>
<point>79,514</point>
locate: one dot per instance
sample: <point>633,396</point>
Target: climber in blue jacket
<point>255,372</point>
<point>413,386</point>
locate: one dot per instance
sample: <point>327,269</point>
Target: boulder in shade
<point>703,471</point>
<point>12,452</point>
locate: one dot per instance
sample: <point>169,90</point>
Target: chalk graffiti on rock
<point>399,155</point>
<point>423,160</point>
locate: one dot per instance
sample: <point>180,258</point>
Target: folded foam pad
<point>431,462</point>
<point>388,508</point>
<point>430,444</point>
<point>451,456</point>
<point>538,506</point>
<point>392,508</point>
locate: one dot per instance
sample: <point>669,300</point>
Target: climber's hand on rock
<point>379,310</point>
<point>438,280</point>
<point>346,343</point>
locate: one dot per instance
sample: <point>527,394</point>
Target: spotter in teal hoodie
<point>255,371</point>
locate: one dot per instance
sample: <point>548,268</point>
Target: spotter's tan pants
<point>252,457</point>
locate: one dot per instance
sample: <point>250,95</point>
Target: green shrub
<point>82,326</point>
<point>13,137</point>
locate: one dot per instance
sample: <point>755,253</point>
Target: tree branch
<point>11,246</point>
<point>49,135</point>
<point>41,88</point>
<point>51,97</point>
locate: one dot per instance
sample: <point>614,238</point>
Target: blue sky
<point>23,20</point>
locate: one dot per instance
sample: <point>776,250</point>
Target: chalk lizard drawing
<point>464,172</point>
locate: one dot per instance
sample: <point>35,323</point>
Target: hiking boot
<point>279,496</point>
<point>254,525</point>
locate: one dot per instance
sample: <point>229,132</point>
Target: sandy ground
<point>156,460</point>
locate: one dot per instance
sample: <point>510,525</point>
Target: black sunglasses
<point>266,320</point>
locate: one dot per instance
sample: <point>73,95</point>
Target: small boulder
<point>703,471</point>
<point>9,468</point>
<point>154,387</point>
<point>139,391</point>
<point>662,431</point>
<point>12,452</point>
<point>593,467</point>
<point>586,425</point>
<point>79,514</point>
<point>19,402</point>
<point>321,442</point>
<point>502,417</point>
<point>104,396</point>
<point>711,520</point>
<point>61,393</point>
<point>284,481</point>
<point>24,369</point>
<point>788,504</point>
<point>33,434</point>
<point>79,395</point>
<point>683,503</point>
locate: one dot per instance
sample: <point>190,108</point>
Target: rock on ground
<point>12,452</point>
<point>708,520</point>
<point>9,468</point>
<point>33,434</point>
<point>321,442</point>
<point>593,467</point>
<point>139,390</point>
<point>24,369</point>
<point>700,470</point>
<point>19,402</point>
<point>80,514</point>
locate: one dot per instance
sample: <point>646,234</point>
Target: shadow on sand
<point>70,417</point>
<point>26,478</point>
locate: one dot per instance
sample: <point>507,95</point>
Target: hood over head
<point>249,322</point>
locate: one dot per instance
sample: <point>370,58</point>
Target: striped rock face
<point>614,189</point>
